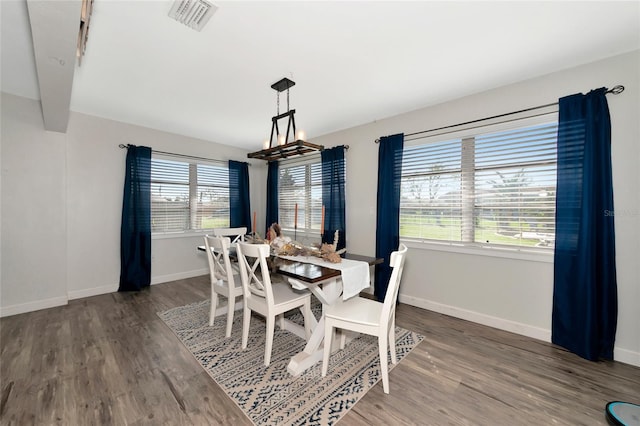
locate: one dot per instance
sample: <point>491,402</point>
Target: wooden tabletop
<point>311,273</point>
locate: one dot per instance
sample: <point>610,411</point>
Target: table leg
<point>312,353</point>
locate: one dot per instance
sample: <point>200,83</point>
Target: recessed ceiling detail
<point>192,13</point>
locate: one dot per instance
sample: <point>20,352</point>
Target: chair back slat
<point>217,249</point>
<point>252,257</point>
<point>397,263</point>
<point>235,234</point>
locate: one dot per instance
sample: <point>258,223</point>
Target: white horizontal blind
<point>430,196</point>
<point>515,186</point>
<point>169,195</point>
<point>495,188</point>
<point>188,195</point>
<point>212,206</point>
<point>300,184</point>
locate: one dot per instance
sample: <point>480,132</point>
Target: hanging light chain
<point>288,109</point>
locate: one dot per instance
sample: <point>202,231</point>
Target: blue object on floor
<point>623,413</point>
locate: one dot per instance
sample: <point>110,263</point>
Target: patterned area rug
<point>270,395</point>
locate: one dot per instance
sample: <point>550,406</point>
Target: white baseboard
<point>622,355</point>
<point>626,356</point>
<point>179,276</point>
<point>488,320</point>
<point>96,291</point>
<point>33,306</point>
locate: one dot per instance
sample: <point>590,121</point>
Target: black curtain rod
<point>173,154</point>
<point>616,90</point>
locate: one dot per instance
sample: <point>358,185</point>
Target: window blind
<point>188,195</point>
<point>300,184</point>
<point>493,188</point>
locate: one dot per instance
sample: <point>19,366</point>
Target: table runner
<point>354,273</point>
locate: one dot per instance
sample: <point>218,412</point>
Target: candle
<point>254,223</point>
<point>295,217</point>
<point>322,222</point>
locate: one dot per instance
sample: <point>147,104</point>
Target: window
<point>301,184</point>
<point>494,188</point>
<point>188,195</point>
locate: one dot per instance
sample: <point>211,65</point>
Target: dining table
<point>328,282</point>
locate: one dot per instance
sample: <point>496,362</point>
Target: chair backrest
<point>397,263</point>
<point>236,234</point>
<point>255,283</point>
<point>219,262</point>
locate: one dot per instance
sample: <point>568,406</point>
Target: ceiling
<point>353,62</point>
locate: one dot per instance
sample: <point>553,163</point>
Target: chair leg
<point>306,314</point>
<point>343,338</point>
<point>271,325</point>
<point>328,337</point>
<point>214,305</point>
<point>281,321</point>
<point>231,301</point>
<point>246,321</point>
<point>392,341</point>
<point>384,365</point>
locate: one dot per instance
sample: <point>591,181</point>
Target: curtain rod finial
<point>617,89</point>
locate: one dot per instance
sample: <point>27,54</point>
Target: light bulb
<point>301,135</point>
<point>281,139</point>
<point>265,144</point>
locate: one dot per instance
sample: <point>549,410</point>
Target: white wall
<point>512,294</point>
<point>34,210</point>
<point>60,236</point>
<point>62,201</point>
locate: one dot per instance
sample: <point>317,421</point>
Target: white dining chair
<point>266,298</point>
<point>235,234</point>
<point>223,280</point>
<point>369,317</point>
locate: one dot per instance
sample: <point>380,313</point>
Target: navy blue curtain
<point>388,219</point>
<point>585,301</point>
<point>333,179</point>
<point>135,230</point>
<point>239,206</point>
<point>272,195</point>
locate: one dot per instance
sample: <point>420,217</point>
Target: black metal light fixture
<point>282,147</point>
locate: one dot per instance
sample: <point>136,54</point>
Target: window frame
<point>311,211</point>
<point>193,186</point>
<point>544,115</point>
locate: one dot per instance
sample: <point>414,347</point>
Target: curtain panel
<point>239,204</point>
<point>135,229</point>
<point>585,304</point>
<point>272,195</point>
<point>388,208</point>
<point>333,195</point>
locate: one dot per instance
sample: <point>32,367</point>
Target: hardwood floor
<point>110,360</point>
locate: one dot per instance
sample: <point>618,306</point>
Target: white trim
<point>488,320</point>
<point>518,253</point>
<point>33,306</point>
<point>179,276</point>
<point>625,356</point>
<point>199,233</point>
<point>95,291</point>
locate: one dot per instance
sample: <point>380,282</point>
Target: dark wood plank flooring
<point>110,360</point>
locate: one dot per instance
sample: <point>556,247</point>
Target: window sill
<point>516,253</point>
<point>188,234</point>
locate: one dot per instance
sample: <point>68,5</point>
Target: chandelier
<point>283,148</point>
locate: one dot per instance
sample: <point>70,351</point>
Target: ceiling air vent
<point>192,13</point>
